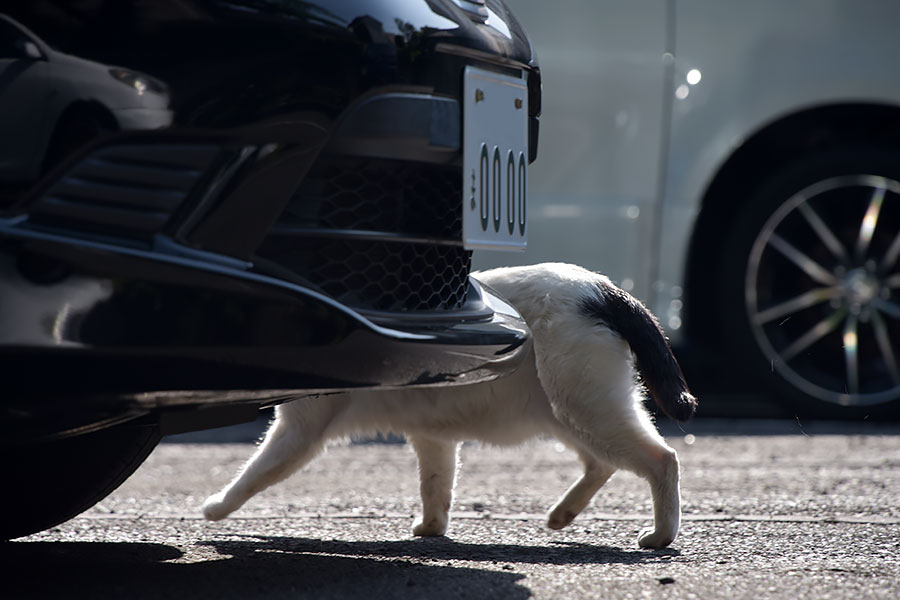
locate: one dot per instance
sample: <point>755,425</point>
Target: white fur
<point>578,384</point>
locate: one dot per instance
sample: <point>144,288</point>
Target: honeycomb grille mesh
<point>419,200</point>
<point>333,234</point>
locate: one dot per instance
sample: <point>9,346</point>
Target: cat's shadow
<point>444,548</point>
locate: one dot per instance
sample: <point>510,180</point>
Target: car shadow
<point>284,567</point>
<point>244,570</point>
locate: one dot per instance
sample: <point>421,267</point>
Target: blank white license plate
<point>495,160</point>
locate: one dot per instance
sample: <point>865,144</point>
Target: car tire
<point>810,283</point>
<point>51,482</point>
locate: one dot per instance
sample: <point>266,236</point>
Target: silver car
<point>737,166</point>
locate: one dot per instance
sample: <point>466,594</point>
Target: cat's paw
<point>560,517</point>
<point>650,538</point>
<point>215,509</point>
<point>433,527</point>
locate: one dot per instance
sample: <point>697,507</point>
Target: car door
<point>593,191</point>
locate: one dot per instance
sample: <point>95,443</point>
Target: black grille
<point>415,200</point>
<point>124,189</point>
<point>388,276</point>
<point>378,235</point>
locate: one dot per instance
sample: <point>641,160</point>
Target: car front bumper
<point>92,333</point>
<point>294,229</point>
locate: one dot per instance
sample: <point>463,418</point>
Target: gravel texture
<point>766,515</point>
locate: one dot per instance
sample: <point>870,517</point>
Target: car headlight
<point>140,82</point>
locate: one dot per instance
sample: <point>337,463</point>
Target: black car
<point>210,207</point>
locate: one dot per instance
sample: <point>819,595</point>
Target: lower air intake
<point>377,235</point>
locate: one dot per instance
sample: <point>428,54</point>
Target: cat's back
<point>540,290</point>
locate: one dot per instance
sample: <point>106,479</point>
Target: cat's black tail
<point>662,376</point>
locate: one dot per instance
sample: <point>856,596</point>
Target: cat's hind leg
<point>589,380</point>
<point>578,496</point>
<point>294,438</point>
<point>658,463</point>
<point>648,455</point>
<point>437,477</point>
<point>637,447</point>
<point>652,459</point>
<point>625,438</point>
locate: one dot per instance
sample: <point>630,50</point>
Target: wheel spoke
<point>851,353</point>
<point>890,257</point>
<point>808,265</point>
<point>810,298</point>
<point>816,333</point>
<point>884,345</point>
<point>824,233</point>
<point>870,220</point>
<point>892,309</point>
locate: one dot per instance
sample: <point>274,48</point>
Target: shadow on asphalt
<point>444,548</point>
<point>281,567</point>
<point>240,570</point>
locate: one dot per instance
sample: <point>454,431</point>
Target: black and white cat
<point>578,384</point>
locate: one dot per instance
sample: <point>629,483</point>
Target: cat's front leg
<point>437,477</point>
<point>293,439</point>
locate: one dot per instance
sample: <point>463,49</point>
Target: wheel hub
<point>859,287</point>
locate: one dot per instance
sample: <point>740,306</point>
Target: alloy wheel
<point>822,290</point>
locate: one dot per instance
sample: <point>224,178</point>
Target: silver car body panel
<point>644,101</point>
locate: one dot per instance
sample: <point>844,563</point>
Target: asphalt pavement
<point>772,509</point>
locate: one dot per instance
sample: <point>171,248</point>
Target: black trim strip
<point>356,234</point>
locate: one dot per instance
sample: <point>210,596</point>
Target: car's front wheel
<point>51,482</point>
<point>811,281</point>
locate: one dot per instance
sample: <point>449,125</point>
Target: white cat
<point>578,384</point>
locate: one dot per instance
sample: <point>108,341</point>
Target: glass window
<point>13,42</point>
